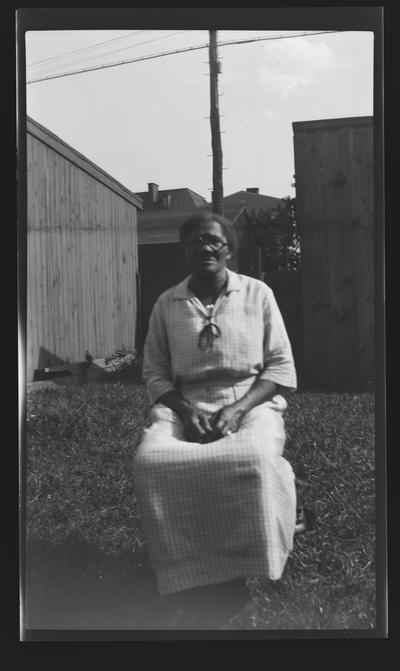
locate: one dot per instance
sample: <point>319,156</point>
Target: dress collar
<point>181,290</point>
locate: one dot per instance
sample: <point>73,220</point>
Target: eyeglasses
<point>212,241</point>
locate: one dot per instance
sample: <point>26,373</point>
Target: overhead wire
<point>88,48</point>
<point>130,46</point>
<point>175,51</point>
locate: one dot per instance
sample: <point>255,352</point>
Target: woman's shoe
<point>305,520</point>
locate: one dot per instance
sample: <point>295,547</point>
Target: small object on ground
<point>89,357</point>
<point>305,520</point>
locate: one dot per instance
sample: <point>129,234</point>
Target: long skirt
<point>218,511</point>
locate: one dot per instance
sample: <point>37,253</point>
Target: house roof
<point>180,199</point>
<point>57,144</point>
<point>161,226</point>
<point>252,201</point>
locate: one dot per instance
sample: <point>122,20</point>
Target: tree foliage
<point>276,233</point>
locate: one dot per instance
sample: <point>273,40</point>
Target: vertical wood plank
<point>76,199</point>
<point>121,247</point>
<point>124,242</point>
<point>100,223</point>
<point>116,288</point>
<point>75,225</point>
<point>135,271</point>
<point>341,286</point>
<point>85,260</point>
<point>81,232</point>
<point>54,262</point>
<point>36,264</point>
<point>54,251</point>
<point>131,279</point>
<point>93,263</point>
<point>361,177</point>
<point>315,284</point>
<point>57,233</point>
<point>62,215</point>
<point>32,275</point>
<point>91,286</point>
<point>44,227</point>
<point>118,233</point>
<point>105,262</point>
<point>71,274</point>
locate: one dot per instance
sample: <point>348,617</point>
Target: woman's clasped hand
<point>201,427</point>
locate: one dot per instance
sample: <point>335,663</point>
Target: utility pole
<point>217,193</point>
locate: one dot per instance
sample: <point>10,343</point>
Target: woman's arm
<point>279,371</point>
<point>260,392</point>
<point>278,356</point>
<point>159,379</point>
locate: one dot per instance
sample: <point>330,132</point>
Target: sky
<point>148,121</point>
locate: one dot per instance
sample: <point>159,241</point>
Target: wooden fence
<point>334,209</point>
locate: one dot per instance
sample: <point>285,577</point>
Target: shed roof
<point>57,144</point>
<point>342,122</point>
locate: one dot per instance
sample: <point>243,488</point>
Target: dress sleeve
<point>278,357</point>
<point>156,357</point>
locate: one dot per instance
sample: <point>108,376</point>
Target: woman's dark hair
<point>205,217</point>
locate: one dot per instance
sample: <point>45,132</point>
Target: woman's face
<point>206,249</point>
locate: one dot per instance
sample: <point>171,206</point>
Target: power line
<point>176,51</point>
<point>132,46</point>
<point>89,48</point>
<point>234,108</point>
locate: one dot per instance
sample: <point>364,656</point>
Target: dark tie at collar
<point>208,334</point>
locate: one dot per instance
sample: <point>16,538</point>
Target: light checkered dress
<point>222,510</point>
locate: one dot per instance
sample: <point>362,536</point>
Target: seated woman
<point>217,497</point>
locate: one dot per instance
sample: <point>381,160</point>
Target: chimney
<point>153,193</point>
<point>254,189</point>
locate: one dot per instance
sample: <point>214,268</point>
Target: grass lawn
<point>86,556</point>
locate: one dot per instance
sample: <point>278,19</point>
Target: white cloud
<point>274,81</point>
<point>303,52</point>
<point>290,63</point>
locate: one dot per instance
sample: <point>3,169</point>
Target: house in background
<point>253,200</point>
<point>82,256</point>
<point>155,199</point>
<point>161,262</point>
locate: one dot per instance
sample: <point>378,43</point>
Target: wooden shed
<point>82,256</point>
<point>335,212</point>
